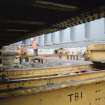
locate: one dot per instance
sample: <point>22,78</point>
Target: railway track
<point>40,72</point>
<point>22,82</point>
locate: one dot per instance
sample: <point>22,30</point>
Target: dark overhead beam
<point>54,6</point>
<point>22,22</point>
<point>16,30</point>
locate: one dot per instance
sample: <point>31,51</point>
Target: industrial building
<point>52,52</point>
<point>82,33</point>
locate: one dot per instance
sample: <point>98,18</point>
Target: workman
<point>18,54</point>
<point>35,47</point>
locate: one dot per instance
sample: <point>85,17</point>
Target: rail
<point>24,82</point>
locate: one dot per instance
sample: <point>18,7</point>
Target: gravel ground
<point>49,63</point>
